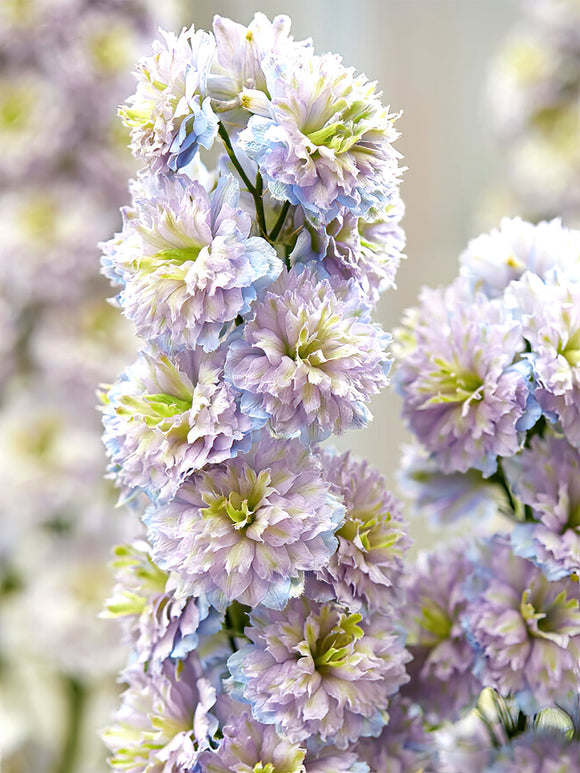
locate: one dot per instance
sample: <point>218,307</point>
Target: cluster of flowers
<point>260,603</point>
<point>489,373</point>
<point>534,98</point>
<point>63,173</point>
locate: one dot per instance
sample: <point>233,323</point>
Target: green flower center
<point>15,107</point>
<point>571,350</point>
<point>553,619</point>
<point>335,649</point>
<point>342,124</point>
<point>455,384</point>
<point>174,256</point>
<point>435,621</point>
<point>242,506</point>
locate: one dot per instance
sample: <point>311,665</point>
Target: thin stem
<point>499,478</point>
<point>233,158</point>
<point>256,190</point>
<point>77,698</point>
<point>259,202</point>
<point>275,232</point>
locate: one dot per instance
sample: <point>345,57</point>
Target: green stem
<point>256,190</point>
<point>275,232</point>
<point>259,202</point>
<point>233,158</point>
<point>499,478</point>
<point>77,695</point>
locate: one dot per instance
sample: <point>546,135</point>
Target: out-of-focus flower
<point>442,680</point>
<point>492,260</point>
<point>546,477</point>
<point>164,720</point>
<point>310,358</point>
<point>526,629</point>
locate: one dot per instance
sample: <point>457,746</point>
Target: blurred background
<point>64,67</point>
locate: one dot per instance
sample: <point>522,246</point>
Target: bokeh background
<point>62,178</point>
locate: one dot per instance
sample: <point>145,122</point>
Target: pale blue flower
<point>170,114</point>
<point>190,266</point>
<point>322,139</point>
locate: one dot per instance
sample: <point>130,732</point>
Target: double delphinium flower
<point>261,602</point>
<point>488,372</point>
<point>64,66</point>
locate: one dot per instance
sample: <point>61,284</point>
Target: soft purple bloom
<point>525,628</point>
<point>366,569</point>
<point>167,417</point>
<point>465,394</point>
<point>249,746</point>
<point>546,477</point>
<point>248,528</point>
<point>538,751</point>
<point>322,139</point>
<point>170,114</point>
<point>310,358</point>
<point>465,746</point>
<point>446,498</point>
<point>403,745</point>
<point>491,261</point>
<point>157,624</point>
<point>316,669</point>
<point>550,311</point>
<point>164,720</point>
<point>442,682</point>
<point>190,266</point>
<point>332,760</point>
<point>368,251</point>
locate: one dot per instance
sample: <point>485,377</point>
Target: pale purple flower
<point>167,417</point>
<point>403,745</point>
<point>190,266</point>
<point>315,669</point>
<point>546,477</point>
<point>164,721</point>
<point>365,570</point>
<point>249,746</point>
<point>442,682</point>
<point>310,358</point>
<point>465,394</point>
<point>464,746</point>
<point>156,623</point>
<point>525,628</point>
<point>538,751</point>
<point>550,311</point>
<point>446,498</point>
<point>329,759</point>
<point>170,114</point>
<point>248,528</point>
<point>492,260</point>
<point>321,138</point>
<point>368,251</point>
